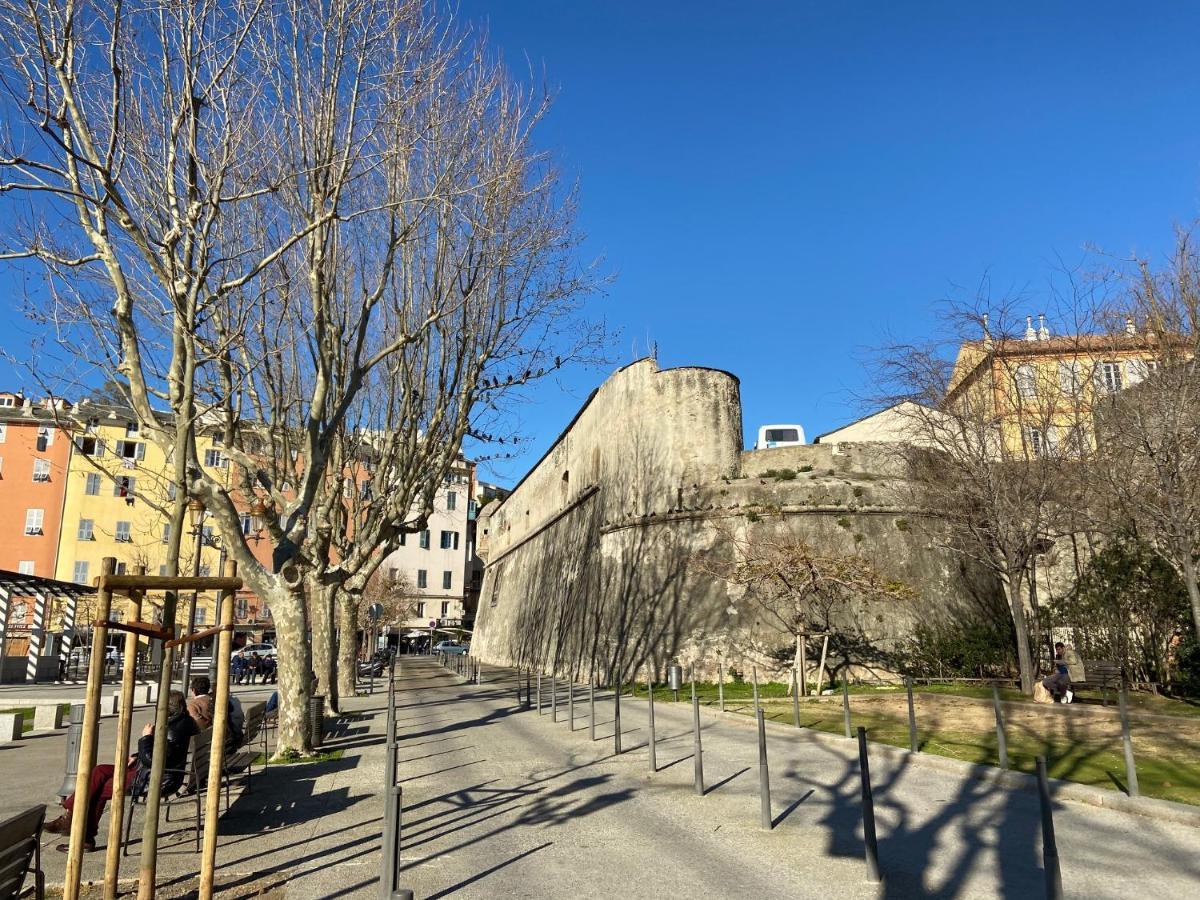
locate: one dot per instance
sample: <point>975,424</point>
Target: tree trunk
<point>1193,589</point>
<point>321,604</point>
<point>295,671</point>
<point>347,645</point>
<point>1016,605</point>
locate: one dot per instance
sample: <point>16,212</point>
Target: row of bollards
<point>870,837</point>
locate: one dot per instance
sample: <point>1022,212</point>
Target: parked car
<point>450,648</point>
<point>256,650</point>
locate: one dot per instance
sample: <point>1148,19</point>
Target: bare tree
<point>996,439</point>
<point>792,588</point>
<point>1149,434</point>
<point>273,211</point>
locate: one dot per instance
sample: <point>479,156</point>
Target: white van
<point>779,436</point>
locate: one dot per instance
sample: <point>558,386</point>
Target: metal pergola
<point>42,592</point>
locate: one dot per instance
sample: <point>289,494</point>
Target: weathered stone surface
<point>594,561</point>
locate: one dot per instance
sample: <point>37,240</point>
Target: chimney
<point>987,334</point>
<point>1043,331</point>
<point>1130,329</point>
<point>1030,334</point>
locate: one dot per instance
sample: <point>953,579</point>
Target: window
<point>244,523</point>
<point>166,532</point>
<point>451,501</point>
<point>1026,378</point>
<point>7,401</point>
<point>445,608</point>
<point>1070,376</point>
<point>121,569</point>
<point>45,437</point>
<point>201,615</point>
<point>1036,441</point>
<point>131,429</point>
<point>447,580</point>
<point>208,536</point>
<point>420,610</point>
<point>91,446</point>
<point>3,430</point>
<point>205,570</point>
<point>122,533</point>
<point>425,539</point>
<point>25,567</point>
<point>243,608</point>
<point>86,528</point>
<point>449,540</point>
<point>1109,377</point>
<point>364,490</point>
<point>80,575</point>
<point>124,487</point>
<point>92,488</point>
<point>265,612</point>
<point>214,459</point>
<point>422,578</point>
<point>403,535</point>
<point>33,521</point>
<point>162,571</point>
<point>41,470</point>
<point>172,491</point>
<point>1137,370</point>
<point>130,449</point>
<point>782,435</point>
<point>218,439</point>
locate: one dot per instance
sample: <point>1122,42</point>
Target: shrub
<point>902,524</point>
<point>858,491</point>
<point>806,468</point>
<point>843,522</point>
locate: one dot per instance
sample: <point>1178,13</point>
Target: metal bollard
<point>316,720</point>
<point>617,719</point>
<point>697,750</point>
<point>392,832</point>
<point>764,777</point>
<point>650,709</point>
<point>1131,777</point>
<point>553,698</point>
<point>1001,742</point>
<point>571,705</point>
<point>1054,888</point>
<point>868,810</point>
<point>721,685</point>
<point>591,709</point>
<point>539,693</point>
<point>846,702</point>
<point>795,699</point>
<point>74,739</point>
<point>912,717</point>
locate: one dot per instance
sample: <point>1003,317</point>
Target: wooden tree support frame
<point>135,587</point>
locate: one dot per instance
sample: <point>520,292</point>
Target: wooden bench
<point>21,852</point>
<point>238,762</point>
<point>1102,675</point>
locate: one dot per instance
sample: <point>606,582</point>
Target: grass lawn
<point>1090,752</point>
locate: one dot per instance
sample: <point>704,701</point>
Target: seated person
<point>199,704</point>
<point>1058,683</point>
<point>180,728</point>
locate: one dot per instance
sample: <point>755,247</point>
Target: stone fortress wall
<point>597,559</point>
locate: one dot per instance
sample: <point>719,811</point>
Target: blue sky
<point>780,185</point>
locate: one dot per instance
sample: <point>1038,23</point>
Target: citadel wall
<point>600,559</point>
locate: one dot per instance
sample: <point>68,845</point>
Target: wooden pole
<point>821,670</point>
<point>116,815</point>
<point>87,746</point>
<point>216,757</point>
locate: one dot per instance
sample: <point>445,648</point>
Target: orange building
<point>35,452</point>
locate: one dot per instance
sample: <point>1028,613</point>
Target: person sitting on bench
<point>180,728</point>
<point>1058,683</point>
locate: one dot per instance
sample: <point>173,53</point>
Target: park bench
<point>20,852</point>
<point>238,763</point>
<point>1101,675</point>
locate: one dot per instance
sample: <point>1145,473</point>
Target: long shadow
<point>791,808</point>
<point>724,781</point>
<point>445,892</point>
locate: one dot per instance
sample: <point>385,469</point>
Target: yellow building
<point>1039,392</point>
<point>117,501</point>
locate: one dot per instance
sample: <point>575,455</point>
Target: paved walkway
<point>500,802</point>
